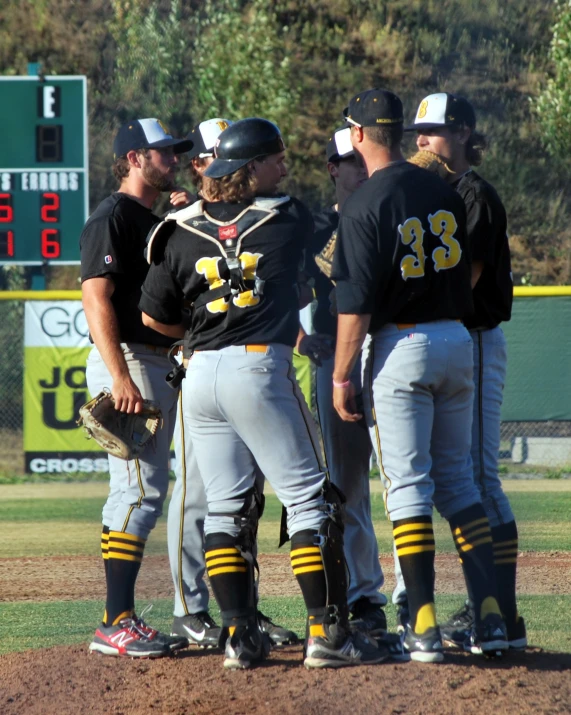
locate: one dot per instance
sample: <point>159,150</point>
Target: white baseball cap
<point>204,136</point>
<point>443,110</point>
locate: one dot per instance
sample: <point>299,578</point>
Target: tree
<point>553,105</point>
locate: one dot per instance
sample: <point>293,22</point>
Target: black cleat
<point>198,628</point>
<point>246,647</point>
<point>403,617</point>
<point>517,634</point>
<point>423,647</point>
<point>277,634</point>
<point>488,637</point>
<point>457,629</point>
<point>340,648</point>
<point>368,617</point>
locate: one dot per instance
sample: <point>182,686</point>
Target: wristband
<point>343,385</point>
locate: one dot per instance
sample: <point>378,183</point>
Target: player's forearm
<point>171,331</point>
<point>351,332</point>
<point>104,329</point>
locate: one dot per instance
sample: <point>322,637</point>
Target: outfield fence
<point>536,416</point>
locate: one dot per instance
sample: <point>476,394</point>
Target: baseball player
<point>347,445</point>
<point>131,360</point>
<point>403,276</point>
<point>236,259</point>
<point>446,125</point>
<point>187,508</point>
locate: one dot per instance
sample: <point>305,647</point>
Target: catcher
<point>131,361</point>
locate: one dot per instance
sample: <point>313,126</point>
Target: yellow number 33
<point>442,224</point>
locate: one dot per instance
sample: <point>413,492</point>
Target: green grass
<point>48,520</point>
<point>64,519</point>
<point>42,625</point>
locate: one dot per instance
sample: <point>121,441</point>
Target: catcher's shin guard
<point>231,573</point>
<point>318,563</point>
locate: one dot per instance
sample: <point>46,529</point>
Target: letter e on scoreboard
<point>49,101</point>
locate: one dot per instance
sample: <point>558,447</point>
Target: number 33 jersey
<point>401,252</point>
<point>236,265</point>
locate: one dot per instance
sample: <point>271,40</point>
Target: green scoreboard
<point>44,199</point>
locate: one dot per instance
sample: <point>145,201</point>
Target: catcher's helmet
<point>243,141</point>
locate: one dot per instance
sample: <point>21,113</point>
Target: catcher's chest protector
<point>227,236</point>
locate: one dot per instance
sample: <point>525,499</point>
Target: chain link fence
<point>526,447</point>
<point>12,385</point>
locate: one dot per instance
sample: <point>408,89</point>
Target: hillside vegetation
<point>298,63</point>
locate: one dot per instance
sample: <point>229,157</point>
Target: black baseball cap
<point>244,141</point>
<point>204,136</point>
<point>443,110</point>
<point>373,108</point>
<point>146,134</point>
<point>339,147</point>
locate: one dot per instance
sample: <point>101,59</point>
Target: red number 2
<point>50,207</point>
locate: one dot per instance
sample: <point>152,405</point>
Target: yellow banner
<point>56,346</point>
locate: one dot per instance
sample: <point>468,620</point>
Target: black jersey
<point>265,239</point>
<point>488,239</point>
<point>326,223</point>
<point>112,245</point>
<point>401,251</point>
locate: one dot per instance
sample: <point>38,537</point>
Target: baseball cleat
<point>517,634</point>
<point>127,639</point>
<point>394,645</point>
<point>246,647</point>
<point>277,634</point>
<point>488,637</point>
<point>341,648</point>
<point>403,617</point>
<point>199,629</point>
<point>457,629</point>
<point>173,643</point>
<point>368,617</point>
<point>423,647</point>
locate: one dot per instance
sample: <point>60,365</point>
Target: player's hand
<point>345,403</point>
<point>317,347</point>
<point>180,197</point>
<point>127,395</point>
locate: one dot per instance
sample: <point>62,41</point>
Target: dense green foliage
<point>298,63</point>
<point>553,105</point>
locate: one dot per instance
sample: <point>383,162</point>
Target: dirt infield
<point>67,680</point>
<point>72,578</point>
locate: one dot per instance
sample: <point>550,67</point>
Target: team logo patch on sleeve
<point>108,259</point>
<point>225,232</point>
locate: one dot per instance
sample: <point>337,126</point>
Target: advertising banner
<point>56,345</point>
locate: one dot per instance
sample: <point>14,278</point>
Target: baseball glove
<point>432,162</point>
<point>324,258</point>
<point>118,433</point>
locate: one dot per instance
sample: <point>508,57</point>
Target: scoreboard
<point>44,199</point>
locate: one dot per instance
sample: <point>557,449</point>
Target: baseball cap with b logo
<point>443,110</point>
<point>146,134</point>
<point>374,108</point>
<point>204,136</point>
